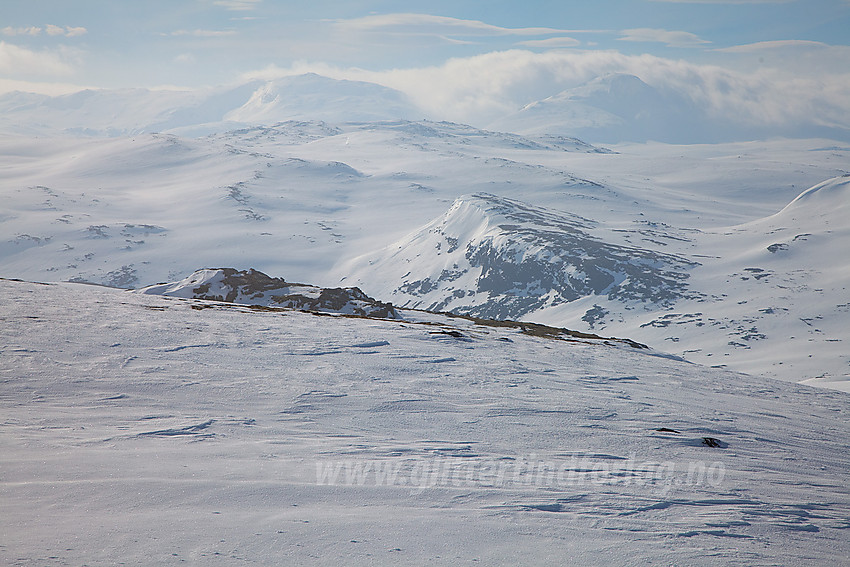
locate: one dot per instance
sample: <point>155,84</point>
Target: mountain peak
<point>499,258</point>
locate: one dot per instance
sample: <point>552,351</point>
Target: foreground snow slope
<point>152,430</point>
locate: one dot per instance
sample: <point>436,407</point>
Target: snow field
<point>154,430</point>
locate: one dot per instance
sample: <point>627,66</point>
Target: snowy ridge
<point>499,258</point>
<point>831,199</point>
<point>251,287</point>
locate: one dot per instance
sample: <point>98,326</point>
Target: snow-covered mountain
<point>769,296</point>
<point>152,430</point>
<point>314,97</point>
<point>229,416</point>
<point>613,108</point>
<point>608,109</point>
<point>499,258</point>
<point>646,243</point>
<point>131,112</point>
<point>623,108</point>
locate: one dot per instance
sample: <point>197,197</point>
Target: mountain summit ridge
<point>499,258</point>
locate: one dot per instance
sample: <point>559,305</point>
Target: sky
<point>767,59</point>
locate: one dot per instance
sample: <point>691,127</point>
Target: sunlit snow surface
<point>683,248</point>
<point>144,430</point>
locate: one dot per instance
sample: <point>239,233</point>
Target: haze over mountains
<point>127,112</point>
<point>612,108</point>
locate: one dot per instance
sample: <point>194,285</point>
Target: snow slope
<point>766,297</point>
<point>283,199</point>
<point>154,430</point>
<point>781,287</point>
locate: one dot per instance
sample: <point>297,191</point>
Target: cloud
<point>551,43</point>
<point>767,45</point>
<point>185,59</point>
<point>52,30</point>
<point>813,60</point>
<point>425,24</point>
<point>670,38</point>
<point>10,31</point>
<point>203,33</point>
<point>74,32</point>
<point>482,88</point>
<point>15,60</point>
<point>67,31</point>
<point>238,4</point>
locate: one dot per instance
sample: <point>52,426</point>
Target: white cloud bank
<point>669,38</point>
<point>425,24</point>
<point>483,88</point>
<point>238,5</point>
<point>50,29</point>
<point>19,61</point>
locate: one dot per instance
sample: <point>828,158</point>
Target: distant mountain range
<point>135,111</point>
<point>623,108</point>
<point>608,109</point>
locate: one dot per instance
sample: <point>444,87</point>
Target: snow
<point>151,430</point>
<point>303,199</point>
<point>122,112</point>
<point>767,297</point>
<point>225,415</point>
<point>250,287</point>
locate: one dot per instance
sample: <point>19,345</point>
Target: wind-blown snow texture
<point>152,430</point>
